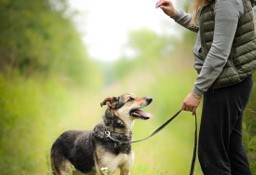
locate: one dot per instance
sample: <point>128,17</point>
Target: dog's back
<point>75,147</point>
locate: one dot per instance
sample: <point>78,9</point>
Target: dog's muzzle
<point>138,113</point>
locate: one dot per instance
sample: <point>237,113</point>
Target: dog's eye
<point>131,99</point>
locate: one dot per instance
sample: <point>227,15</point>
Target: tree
<point>40,37</point>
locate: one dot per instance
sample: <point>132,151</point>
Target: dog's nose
<point>149,99</point>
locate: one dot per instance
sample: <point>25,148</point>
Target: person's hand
<point>191,102</point>
<point>167,7</point>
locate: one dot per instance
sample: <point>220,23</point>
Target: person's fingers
<point>161,3</point>
<point>186,107</point>
<point>158,3</point>
<point>190,109</point>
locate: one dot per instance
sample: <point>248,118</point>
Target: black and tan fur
<point>88,151</point>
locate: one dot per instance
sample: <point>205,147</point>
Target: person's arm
<point>227,14</point>
<point>182,18</point>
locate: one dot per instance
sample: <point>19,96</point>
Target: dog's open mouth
<point>137,113</point>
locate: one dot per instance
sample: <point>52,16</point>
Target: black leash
<point>192,166</point>
<point>159,129</point>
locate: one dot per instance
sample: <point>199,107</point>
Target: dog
<point>105,148</point>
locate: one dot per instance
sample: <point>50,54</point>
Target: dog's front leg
<point>124,172</point>
<point>125,168</point>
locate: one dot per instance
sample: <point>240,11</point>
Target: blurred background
<point>60,58</point>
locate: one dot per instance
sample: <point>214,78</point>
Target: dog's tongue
<point>141,114</point>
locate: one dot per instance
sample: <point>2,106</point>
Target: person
<point>225,58</point>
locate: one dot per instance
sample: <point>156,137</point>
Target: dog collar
<point>112,137</point>
<point>118,130</point>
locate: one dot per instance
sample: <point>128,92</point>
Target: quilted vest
<point>242,59</point>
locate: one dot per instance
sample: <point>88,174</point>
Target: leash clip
<point>107,133</point>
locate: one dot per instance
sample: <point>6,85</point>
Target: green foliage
<point>35,37</point>
<point>71,169</point>
<point>147,48</point>
<point>249,128</point>
<point>30,111</point>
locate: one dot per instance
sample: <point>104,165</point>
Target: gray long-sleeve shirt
<point>227,14</point>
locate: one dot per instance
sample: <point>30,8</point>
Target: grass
<point>32,113</point>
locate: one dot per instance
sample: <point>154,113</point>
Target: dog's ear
<point>112,102</point>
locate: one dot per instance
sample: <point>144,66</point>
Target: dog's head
<point>128,107</point>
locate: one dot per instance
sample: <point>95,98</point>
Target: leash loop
<point>193,161</point>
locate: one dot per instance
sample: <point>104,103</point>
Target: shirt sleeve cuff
<point>198,91</point>
<point>178,15</point>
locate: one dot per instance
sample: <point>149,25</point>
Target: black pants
<point>221,151</point>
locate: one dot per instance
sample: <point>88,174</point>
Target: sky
<point>104,24</point>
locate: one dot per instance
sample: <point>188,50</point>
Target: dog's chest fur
<point>112,154</point>
<point>109,145</point>
<point>112,161</point>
